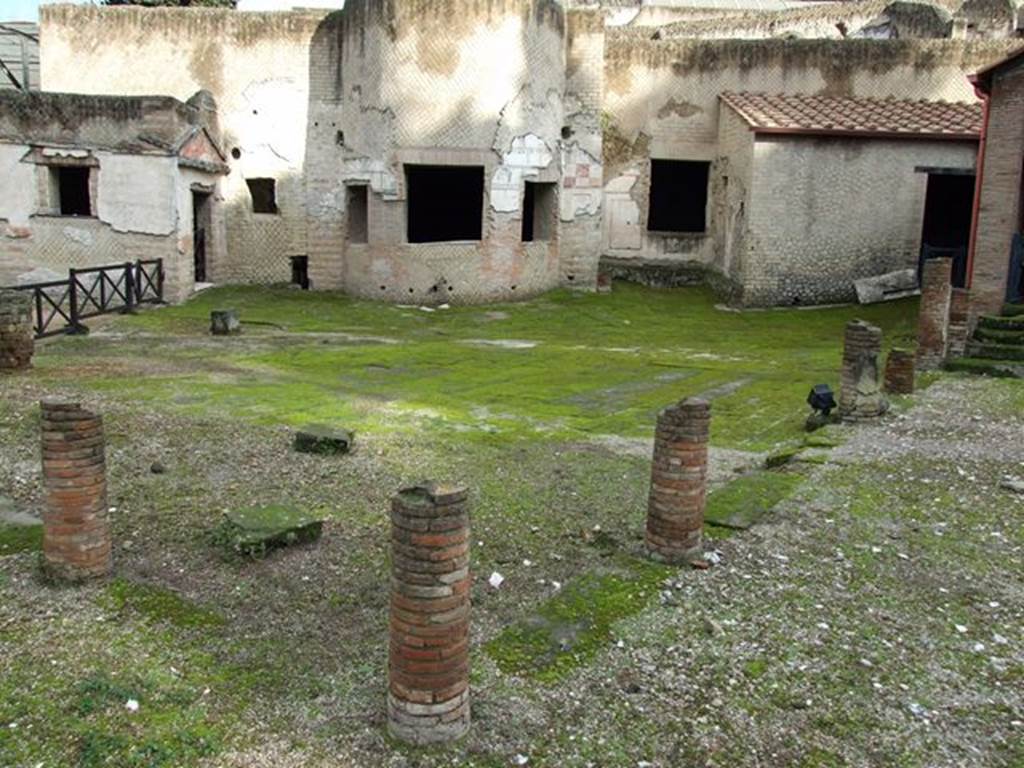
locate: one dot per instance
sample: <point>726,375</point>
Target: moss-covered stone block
<point>323,440</point>
<point>745,500</point>
<point>256,530</point>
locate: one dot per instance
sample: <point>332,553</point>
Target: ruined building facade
<point>462,151</point>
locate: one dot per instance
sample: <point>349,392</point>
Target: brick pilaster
<point>17,338</point>
<point>860,391</point>
<point>899,372</point>
<point>428,670</point>
<point>76,533</point>
<point>933,315</point>
<point>675,508</point>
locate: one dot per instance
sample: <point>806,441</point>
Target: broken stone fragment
<point>225,322</point>
<point>1014,484</point>
<point>255,530</point>
<point>319,438</point>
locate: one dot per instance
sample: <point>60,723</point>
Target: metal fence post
<point>129,289</point>
<point>73,300</point>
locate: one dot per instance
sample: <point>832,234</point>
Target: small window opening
<point>339,138</point>
<point>358,221</point>
<point>678,196</point>
<point>538,211</point>
<point>444,202</point>
<point>264,195</point>
<point>73,193</point>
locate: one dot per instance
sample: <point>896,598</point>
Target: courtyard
<point>873,615</point>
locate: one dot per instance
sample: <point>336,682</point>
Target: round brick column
<point>17,338</point>
<point>76,534</point>
<point>675,508</point>
<point>899,372</point>
<point>428,669</point>
<point>860,390</point>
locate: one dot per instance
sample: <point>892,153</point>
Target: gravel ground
<point>874,619</point>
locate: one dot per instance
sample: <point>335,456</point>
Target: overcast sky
<point>28,10</point>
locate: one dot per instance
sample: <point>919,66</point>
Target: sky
<point>28,10</point>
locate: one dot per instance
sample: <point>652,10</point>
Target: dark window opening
<point>538,211</point>
<point>264,195</point>
<point>678,196</point>
<point>300,271</point>
<point>358,220</point>
<point>445,202</point>
<point>949,201</point>
<point>73,191</point>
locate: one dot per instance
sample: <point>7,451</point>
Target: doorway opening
<point>947,221</point>
<point>444,203</point>
<point>200,232</point>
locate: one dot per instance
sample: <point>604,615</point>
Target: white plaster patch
<point>272,110</point>
<point>80,236</point>
<point>61,152</point>
<point>582,182</point>
<point>376,173</point>
<point>528,155</point>
<point>137,193</point>
<point>17,186</point>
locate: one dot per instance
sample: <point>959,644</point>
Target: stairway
<point>997,346</point>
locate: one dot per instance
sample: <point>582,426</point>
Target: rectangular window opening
<point>358,221</point>
<point>678,196</point>
<point>538,211</point>
<point>444,203</point>
<point>73,194</point>
<point>264,195</point>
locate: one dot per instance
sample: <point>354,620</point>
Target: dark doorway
<point>678,196</point>
<point>445,202</point>
<point>200,232</point>
<point>947,221</point>
<point>357,205</point>
<point>538,211</point>
<point>73,190</point>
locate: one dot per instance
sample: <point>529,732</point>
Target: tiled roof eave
<point>868,134</point>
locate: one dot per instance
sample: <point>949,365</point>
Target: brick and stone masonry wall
<point>959,328</point>
<point>76,532</point>
<point>17,339</point>
<point>860,392</point>
<point>899,372</point>
<point>428,670</point>
<point>933,314</point>
<point>675,508</point>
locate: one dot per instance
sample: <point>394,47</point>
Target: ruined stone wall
<point>1000,202</point>
<point>827,211</point>
<point>661,101</point>
<point>256,65</point>
<point>731,181</point>
<point>412,83</point>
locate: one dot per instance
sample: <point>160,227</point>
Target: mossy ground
<point>281,661</point>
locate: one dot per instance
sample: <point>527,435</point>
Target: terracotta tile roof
<point>849,116</point>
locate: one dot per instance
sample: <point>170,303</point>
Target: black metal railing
<point>59,306</point>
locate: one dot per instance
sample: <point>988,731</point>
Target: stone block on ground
<point>255,530</point>
<point>322,439</point>
<point>19,531</point>
<point>225,322</point>
<point>887,287</point>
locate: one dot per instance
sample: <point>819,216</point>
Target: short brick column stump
<point>17,337</point>
<point>428,669</point>
<point>933,313</point>
<point>76,532</point>
<point>899,372</point>
<point>675,507</point>
<point>860,388</point>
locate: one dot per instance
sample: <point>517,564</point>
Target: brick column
<point>860,391</point>
<point>17,338</point>
<point>958,329</point>
<point>899,372</point>
<point>428,670</point>
<point>933,315</point>
<point>76,534</point>
<point>675,508</point>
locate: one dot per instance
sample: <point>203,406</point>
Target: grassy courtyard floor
<point>842,630</point>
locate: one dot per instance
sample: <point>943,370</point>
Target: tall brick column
<point>899,372</point>
<point>933,315</point>
<point>17,339</point>
<point>860,391</point>
<point>675,508</point>
<point>428,670</point>
<point>76,534</point>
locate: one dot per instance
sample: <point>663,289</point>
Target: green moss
<point>159,604</point>
<point>575,624</point>
<point>255,530</point>
<point>746,499</point>
<point>20,538</point>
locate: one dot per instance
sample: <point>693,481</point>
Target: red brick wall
<point>933,314</point>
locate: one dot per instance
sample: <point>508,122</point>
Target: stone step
<point>1000,368</point>
<point>1013,310</point>
<point>999,335</point>
<point>1000,322</point>
<point>995,351</point>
